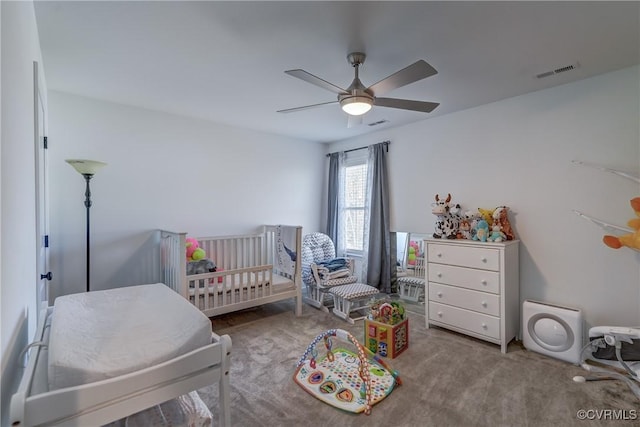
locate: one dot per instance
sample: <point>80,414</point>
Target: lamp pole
<point>87,204</point>
<point>87,168</point>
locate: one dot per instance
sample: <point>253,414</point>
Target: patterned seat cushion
<point>411,280</point>
<point>352,291</point>
<point>339,282</point>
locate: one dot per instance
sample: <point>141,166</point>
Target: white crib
<point>252,270</point>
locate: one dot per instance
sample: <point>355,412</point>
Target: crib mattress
<point>229,285</point>
<point>104,334</point>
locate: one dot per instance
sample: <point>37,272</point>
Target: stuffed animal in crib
<point>446,223</point>
<point>500,217</point>
<point>414,252</point>
<point>631,240</point>
<point>194,251</point>
<point>482,231</point>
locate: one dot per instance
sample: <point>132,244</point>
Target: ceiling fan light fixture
<point>356,105</point>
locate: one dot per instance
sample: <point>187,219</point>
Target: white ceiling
<point>225,61</point>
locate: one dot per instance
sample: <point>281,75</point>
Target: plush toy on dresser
<point>468,224</point>
<point>447,224</point>
<point>501,218</point>
<point>496,234</point>
<point>482,231</point>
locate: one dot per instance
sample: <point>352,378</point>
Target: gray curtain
<point>379,250</point>
<point>333,213</point>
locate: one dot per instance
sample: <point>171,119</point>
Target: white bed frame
<point>101,402</point>
<point>249,277</point>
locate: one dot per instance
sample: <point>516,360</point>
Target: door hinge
<point>46,143</point>
<point>46,241</point>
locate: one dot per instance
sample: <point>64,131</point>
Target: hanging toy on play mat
<point>350,381</point>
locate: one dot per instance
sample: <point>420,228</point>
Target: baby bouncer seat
<point>616,353</point>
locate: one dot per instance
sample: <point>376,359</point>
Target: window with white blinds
<point>354,205</point>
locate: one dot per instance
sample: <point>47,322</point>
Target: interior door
<point>42,193</point>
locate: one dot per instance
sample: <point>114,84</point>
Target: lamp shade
<point>86,167</point>
<point>356,105</point>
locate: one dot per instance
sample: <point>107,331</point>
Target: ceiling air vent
<point>379,122</point>
<point>558,70</point>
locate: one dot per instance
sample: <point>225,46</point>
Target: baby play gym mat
<point>351,381</point>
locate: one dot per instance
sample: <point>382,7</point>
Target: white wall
<point>20,47</point>
<point>165,171</point>
<point>518,152</point>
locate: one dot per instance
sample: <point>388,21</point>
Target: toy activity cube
<point>386,340</point>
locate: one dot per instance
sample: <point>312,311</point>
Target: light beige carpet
<point>448,379</point>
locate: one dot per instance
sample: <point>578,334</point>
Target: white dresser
<point>474,288</point>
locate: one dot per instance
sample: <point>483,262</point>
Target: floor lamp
<point>87,168</point>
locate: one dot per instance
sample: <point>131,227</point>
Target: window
<point>355,187</point>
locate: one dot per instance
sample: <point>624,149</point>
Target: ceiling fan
<point>357,99</point>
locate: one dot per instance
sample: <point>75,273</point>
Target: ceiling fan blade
<point>354,121</point>
<point>414,72</point>
<point>406,104</point>
<point>315,80</point>
<point>291,110</point>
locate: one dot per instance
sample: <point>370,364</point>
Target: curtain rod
<point>386,146</point>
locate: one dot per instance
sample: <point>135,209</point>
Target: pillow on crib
<point>200,267</point>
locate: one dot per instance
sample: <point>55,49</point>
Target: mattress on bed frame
<point>104,334</point>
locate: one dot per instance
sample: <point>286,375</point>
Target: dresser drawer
<point>470,278</point>
<point>466,256</point>
<point>468,320</point>
<point>471,300</point>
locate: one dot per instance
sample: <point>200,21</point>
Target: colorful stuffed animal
<point>194,251</point>
<point>446,223</point>
<point>473,218</point>
<point>414,252</point>
<point>464,229</point>
<point>482,231</point>
<point>496,234</point>
<point>501,218</point>
<point>487,215</point>
<point>631,240</point>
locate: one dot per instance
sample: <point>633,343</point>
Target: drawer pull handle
<point>484,282</point>
<point>439,294</point>
<point>439,255</point>
<point>484,304</point>
<point>484,326</point>
<point>439,314</point>
<point>439,274</point>
<point>483,259</point>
